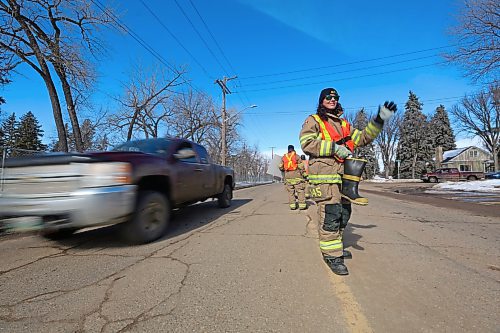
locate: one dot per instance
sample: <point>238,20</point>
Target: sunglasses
<point>330,97</point>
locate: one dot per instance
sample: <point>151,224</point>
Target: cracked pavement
<point>256,267</point>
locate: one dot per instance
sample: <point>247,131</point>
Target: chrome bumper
<point>79,209</point>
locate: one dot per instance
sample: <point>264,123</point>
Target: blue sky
<point>283,53</point>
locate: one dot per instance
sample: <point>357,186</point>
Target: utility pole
<point>225,90</point>
<point>271,162</point>
<point>272,152</point>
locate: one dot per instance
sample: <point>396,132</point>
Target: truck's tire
<point>224,199</point>
<point>150,219</point>
<point>58,234</point>
<point>433,180</point>
<point>472,177</point>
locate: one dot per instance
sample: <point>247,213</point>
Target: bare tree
<point>387,142</point>
<point>7,64</point>
<point>60,32</point>
<point>147,101</point>
<point>479,115</point>
<point>26,47</point>
<point>193,116</point>
<point>478,35</point>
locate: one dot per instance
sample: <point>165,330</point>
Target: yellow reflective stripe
<point>323,127</point>
<point>372,130</point>
<point>335,244</point>
<point>356,136</point>
<point>351,177</point>
<point>325,148</point>
<point>293,181</point>
<point>306,137</point>
<point>325,179</point>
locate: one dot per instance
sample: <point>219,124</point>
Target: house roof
<point>450,154</point>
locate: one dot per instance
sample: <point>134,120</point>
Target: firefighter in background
<point>295,184</point>
<point>329,140</point>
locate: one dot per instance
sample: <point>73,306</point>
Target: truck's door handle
<point>198,169</point>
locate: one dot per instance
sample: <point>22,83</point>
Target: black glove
<point>385,112</point>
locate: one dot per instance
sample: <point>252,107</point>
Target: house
<point>467,159</point>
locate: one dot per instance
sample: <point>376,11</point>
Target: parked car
<point>135,185</point>
<point>492,175</point>
<point>450,174</point>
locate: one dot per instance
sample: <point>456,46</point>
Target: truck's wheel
<point>224,199</point>
<point>58,234</point>
<point>150,219</point>
<point>472,178</point>
<point>433,179</point>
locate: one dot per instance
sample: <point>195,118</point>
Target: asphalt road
<point>417,267</point>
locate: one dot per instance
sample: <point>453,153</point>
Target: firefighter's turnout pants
<point>333,215</point>
<point>296,188</point>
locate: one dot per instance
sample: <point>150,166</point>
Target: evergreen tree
<point>367,152</point>
<point>10,134</point>
<point>102,143</point>
<point>441,131</point>
<point>30,134</point>
<point>88,132</point>
<point>415,147</point>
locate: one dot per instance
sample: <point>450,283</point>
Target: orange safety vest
<point>328,132</point>
<point>289,161</point>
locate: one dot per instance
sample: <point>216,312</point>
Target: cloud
<point>300,15</point>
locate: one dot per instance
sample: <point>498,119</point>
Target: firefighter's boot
<point>346,254</point>
<point>353,168</point>
<point>336,264</point>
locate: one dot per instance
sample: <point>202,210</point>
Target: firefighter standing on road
<point>329,140</point>
<point>295,183</point>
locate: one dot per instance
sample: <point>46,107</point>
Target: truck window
<point>157,147</point>
<point>202,154</point>
<point>187,146</point>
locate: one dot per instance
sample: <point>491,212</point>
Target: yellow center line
<point>350,308</point>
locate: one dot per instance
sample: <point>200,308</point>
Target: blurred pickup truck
<point>136,184</point>
<point>450,174</point>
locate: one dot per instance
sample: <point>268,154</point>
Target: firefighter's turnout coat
<point>324,167</point>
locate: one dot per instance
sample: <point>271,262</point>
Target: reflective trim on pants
<point>332,245</point>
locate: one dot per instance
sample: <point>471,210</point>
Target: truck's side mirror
<point>184,153</point>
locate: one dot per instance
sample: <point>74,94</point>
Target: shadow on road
<point>183,220</point>
<point>351,239</point>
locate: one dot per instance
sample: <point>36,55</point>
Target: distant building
<point>273,168</point>
<point>467,159</point>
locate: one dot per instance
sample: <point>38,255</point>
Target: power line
<point>201,37</point>
<point>297,112</point>
<point>176,39</point>
<point>131,33</point>
<point>345,71</point>
<point>138,39</point>
<point>212,36</point>
<point>348,78</point>
<point>349,63</point>
<point>220,50</point>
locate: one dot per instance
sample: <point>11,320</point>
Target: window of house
<point>473,153</point>
<point>464,167</point>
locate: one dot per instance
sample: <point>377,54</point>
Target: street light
<point>240,112</point>
<point>224,129</point>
